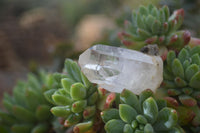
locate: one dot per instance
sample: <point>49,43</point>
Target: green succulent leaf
<point>61,99</point>
<point>196,59</point>
<point>61,111</point>
<point>186,64</point>
<point>144,95</point>
<point>194,82</point>
<point>48,95</point>
<point>149,21</point>
<point>191,71</point>
<point>78,91</point>
<point>170,58</point>
<point>92,98</point>
<point>156,27</point>
<point>161,103</point>
<point>127,113</point>
<point>73,70</point>
<point>180,82</point>
<point>148,128</point>
<point>167,119</point>
<point>141,119</point>
<point>79,106</point>
<point>83,127</point>
<point>128,97</point>
<point>143,33</point>
<point>127,129</point>
<point>114,126</point>
<point>8,105</point>
<point>150,110</point>
<point>23,114</point>
<point>183,55</point>
<point>195,50</point>
<point>85,81</point>
<point>89,112</point>
<point>143,10</point>
<point>7,118</point>
<point>110,114</point>
<point>22,128</point>
<point>140,22</point>
<point>73,119</point>
<point>66,83</point>
<point>168,84</point>
<point>43,112</point>
<point>177,69</point>
<point>166,11</point>
<point>187,100</point>
<point>40,128</point>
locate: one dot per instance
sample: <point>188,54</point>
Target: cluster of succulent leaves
<point>74,98</point>
<point>77,103</point>
<point>181,82</point>
<point>155,26</point>
<point>182,75</point>
<point>140,114</point>
<point>27,111</point>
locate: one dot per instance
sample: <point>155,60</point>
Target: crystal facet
<point>115,68</point>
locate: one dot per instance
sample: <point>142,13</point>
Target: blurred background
<point>38,34</point>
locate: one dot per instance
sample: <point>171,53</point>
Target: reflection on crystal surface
<point>115,68</point>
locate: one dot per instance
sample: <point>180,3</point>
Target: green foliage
<point>75,98</point>
<point>149,118</point>
<point>155,26</point>
<point>191,8</point>
<point>181,75</point>
<point>28,110</point>
<point>181,81</point>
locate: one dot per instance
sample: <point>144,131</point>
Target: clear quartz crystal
<point>115,68</point>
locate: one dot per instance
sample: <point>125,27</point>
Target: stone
<point>115,68</point>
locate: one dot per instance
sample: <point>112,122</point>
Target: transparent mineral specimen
<point>115,68</point>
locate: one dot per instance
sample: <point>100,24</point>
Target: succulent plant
<point>27,110</point>
<point>182,76</point>
<point>75,98</point>
<point>140,114</point>
<point>188,117</point>
<point>155,26</point>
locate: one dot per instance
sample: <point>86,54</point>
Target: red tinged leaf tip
<point>61,120</point>
<point>66,124</point>
<point>165,25</point>
<point>151,40</point>
<point>171,101</point>
<point>178,79</point>
<point>74,105</point>
<point>189,102</point>
<point>174,111</point>
<point>174,38</point>
<point>179,13</point>
<point>163,84</point>
<point>186,37</point>
<point>76,130</point>
<point>111,97</point>
<point>161,39</point>
<point>103,91</point>
<point>194,42</point>
<point>126,22</point>
<point>125,34</point>
<point>164,55</point>
<point>127,43</point>
<point>85,113</point>
<point>120,36</point>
